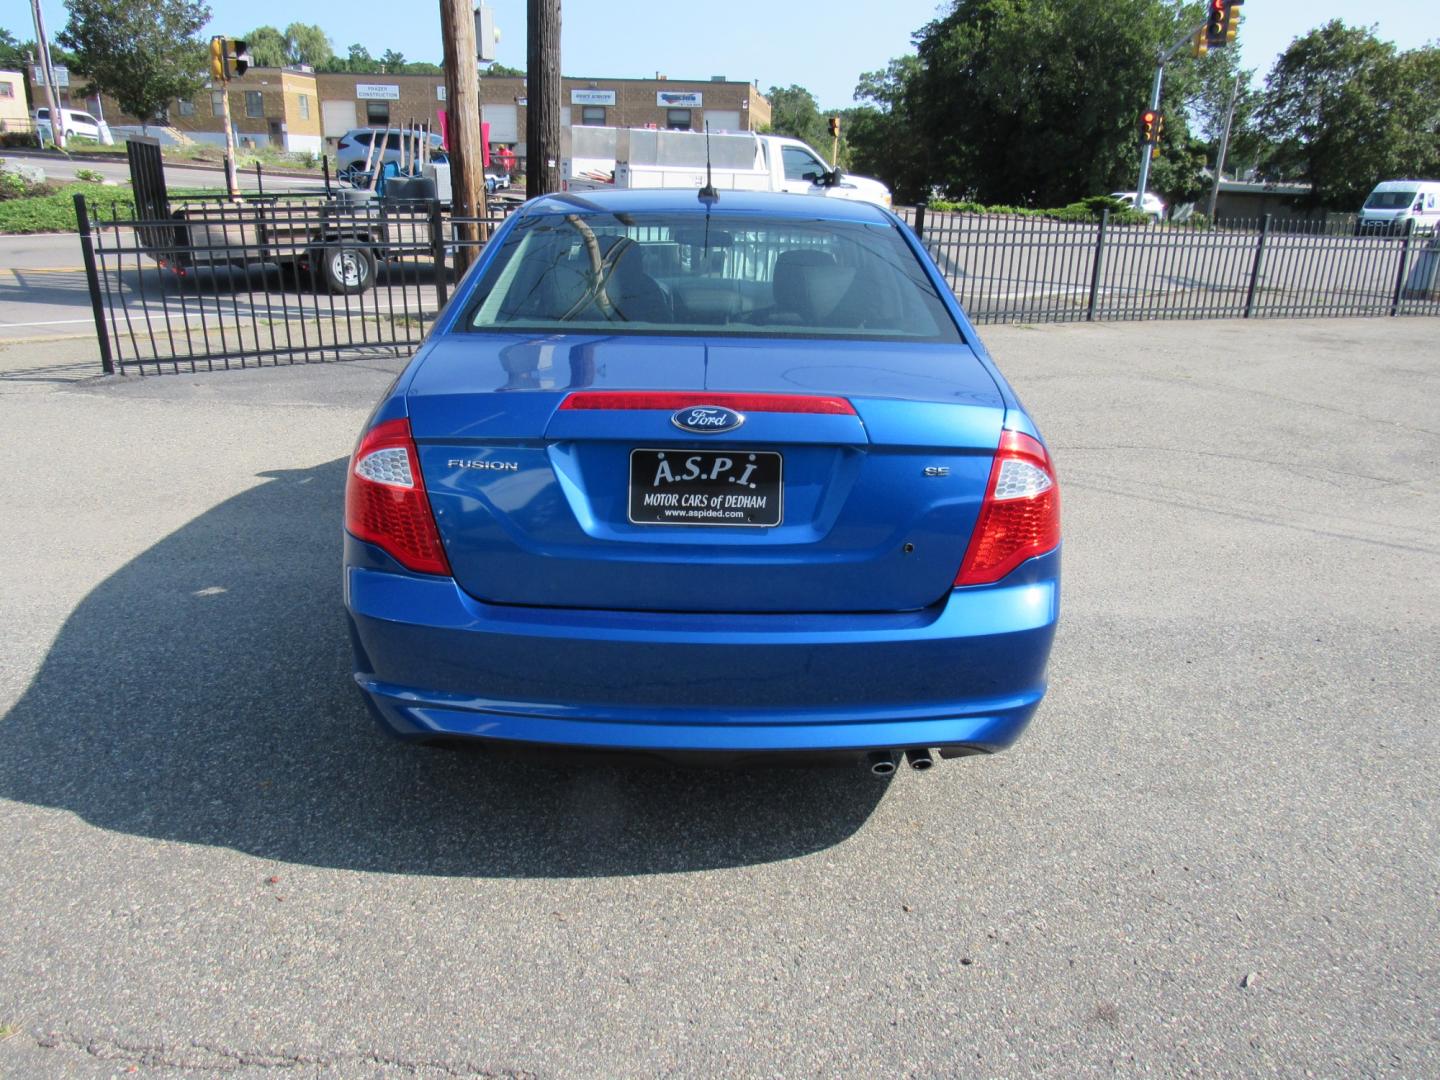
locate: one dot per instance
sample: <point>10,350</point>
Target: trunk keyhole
<point>908,548</point>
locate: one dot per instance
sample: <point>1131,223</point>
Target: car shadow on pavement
<point>202,694</point>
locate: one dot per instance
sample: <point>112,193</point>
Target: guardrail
<point>1035,269</point>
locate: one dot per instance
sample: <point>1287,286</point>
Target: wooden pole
<point>542,118</point>
<point>47,75</point>
<point>462,110</point>
<point>232,175</point>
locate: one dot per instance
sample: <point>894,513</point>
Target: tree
<point>306,44</point>
<point>143,53</point>
<point>1345,110</point>
<point>1034,101</point>
<point>882,136</point>
<point>267,47</point>
<point>393,61</point>
<point>795,112</point>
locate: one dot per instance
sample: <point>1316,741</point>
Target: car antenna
<point>708,192</point>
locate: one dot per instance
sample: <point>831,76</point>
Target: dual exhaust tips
<point>885,762</point>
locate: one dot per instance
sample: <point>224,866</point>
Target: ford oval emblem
<point>705,419</point>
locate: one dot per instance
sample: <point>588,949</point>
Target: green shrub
<point>53,210</point>
<point>89,176</point>
<point>19,140</point>
<point>1085,210</point>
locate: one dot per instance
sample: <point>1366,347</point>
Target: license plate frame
<point>711,482</point>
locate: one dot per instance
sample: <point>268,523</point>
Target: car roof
<point>671,200</point>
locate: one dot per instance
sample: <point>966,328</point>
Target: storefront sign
<point>62,75</point>
<point>679,99</point>
<point>592,97</point>
<point>377,92</point>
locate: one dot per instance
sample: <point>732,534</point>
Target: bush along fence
<point>205,284</point>
<point>1008,268</point>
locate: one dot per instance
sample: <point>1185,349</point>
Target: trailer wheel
<point>347,270</point>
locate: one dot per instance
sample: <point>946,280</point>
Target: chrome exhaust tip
<point>920,759</point>
<point>882,762</point>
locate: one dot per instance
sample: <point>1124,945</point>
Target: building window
<point>677,119</point>
<point>185,108</point>
<point>217,102</point>
<point>7,89</point>
<point>592,115</point>
<point>254,103</point>
<point>304,106</point>
<point>377,112</point>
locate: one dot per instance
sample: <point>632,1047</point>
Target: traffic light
<point>834,127</point>
<point>1159,128</point>
<point>229,59</point>
<point>237,59</point>
<point>1232,21</point>
<point>1150,121</point>
<point>1222,23</point>
<point>1199,46</point>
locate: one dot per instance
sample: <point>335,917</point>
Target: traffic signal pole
<point>1145,148</point>
<point>1215,35</point>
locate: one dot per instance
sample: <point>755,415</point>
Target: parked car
<point>73,123</point>
<point>1396,205</point>
<point>496,180</point>
<point>729,475</point>
<point>1152,204</point>
<point>354,146</point>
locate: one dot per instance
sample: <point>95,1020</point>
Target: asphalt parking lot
<point>1217,851</point>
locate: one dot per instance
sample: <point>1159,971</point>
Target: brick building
<point>302,111</point>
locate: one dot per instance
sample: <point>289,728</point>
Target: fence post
<point>1095,270</point>
<point>259,179</point>
<point>1255,266</point>
<point>1400,270</point>
<point>437,248</point>
<point>325,168</point>
<point>92,278</point>
<point>920,221</point>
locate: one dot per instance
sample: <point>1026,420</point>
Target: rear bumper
<point>968,672</point>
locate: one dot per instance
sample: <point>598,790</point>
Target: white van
<point>75,123</point>
<point>1395,202</point>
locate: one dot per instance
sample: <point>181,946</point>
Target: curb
<point>120,159</point>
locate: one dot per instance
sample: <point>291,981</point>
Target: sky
<point>821,46</point>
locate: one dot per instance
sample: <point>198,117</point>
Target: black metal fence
<point>1035,269</point>
<point>282,279</point>
<point>200,284</point>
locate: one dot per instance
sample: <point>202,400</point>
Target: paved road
<point>1217,852</point>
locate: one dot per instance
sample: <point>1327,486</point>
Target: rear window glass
<point>1389,200</point>
<point>709,274</point>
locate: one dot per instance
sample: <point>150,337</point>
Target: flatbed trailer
<point>341,242</point>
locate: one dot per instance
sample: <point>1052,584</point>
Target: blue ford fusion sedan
<point>728,474</point>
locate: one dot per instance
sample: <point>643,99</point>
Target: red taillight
<point>671,399</point>
<point>1020,517</point>
<point>385,501</point>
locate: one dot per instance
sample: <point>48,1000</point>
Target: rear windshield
<point>709,274</point>
<point>1389,200</point>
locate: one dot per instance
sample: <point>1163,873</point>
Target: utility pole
<point>47,71</point>
<point>542,90</point>
<point>462,113</point>
<point>1220,155</point>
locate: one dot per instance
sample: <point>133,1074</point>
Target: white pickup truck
<point>597,158</point>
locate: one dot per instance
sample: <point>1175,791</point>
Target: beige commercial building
<point>302,111</point>
<point>14,110</point>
